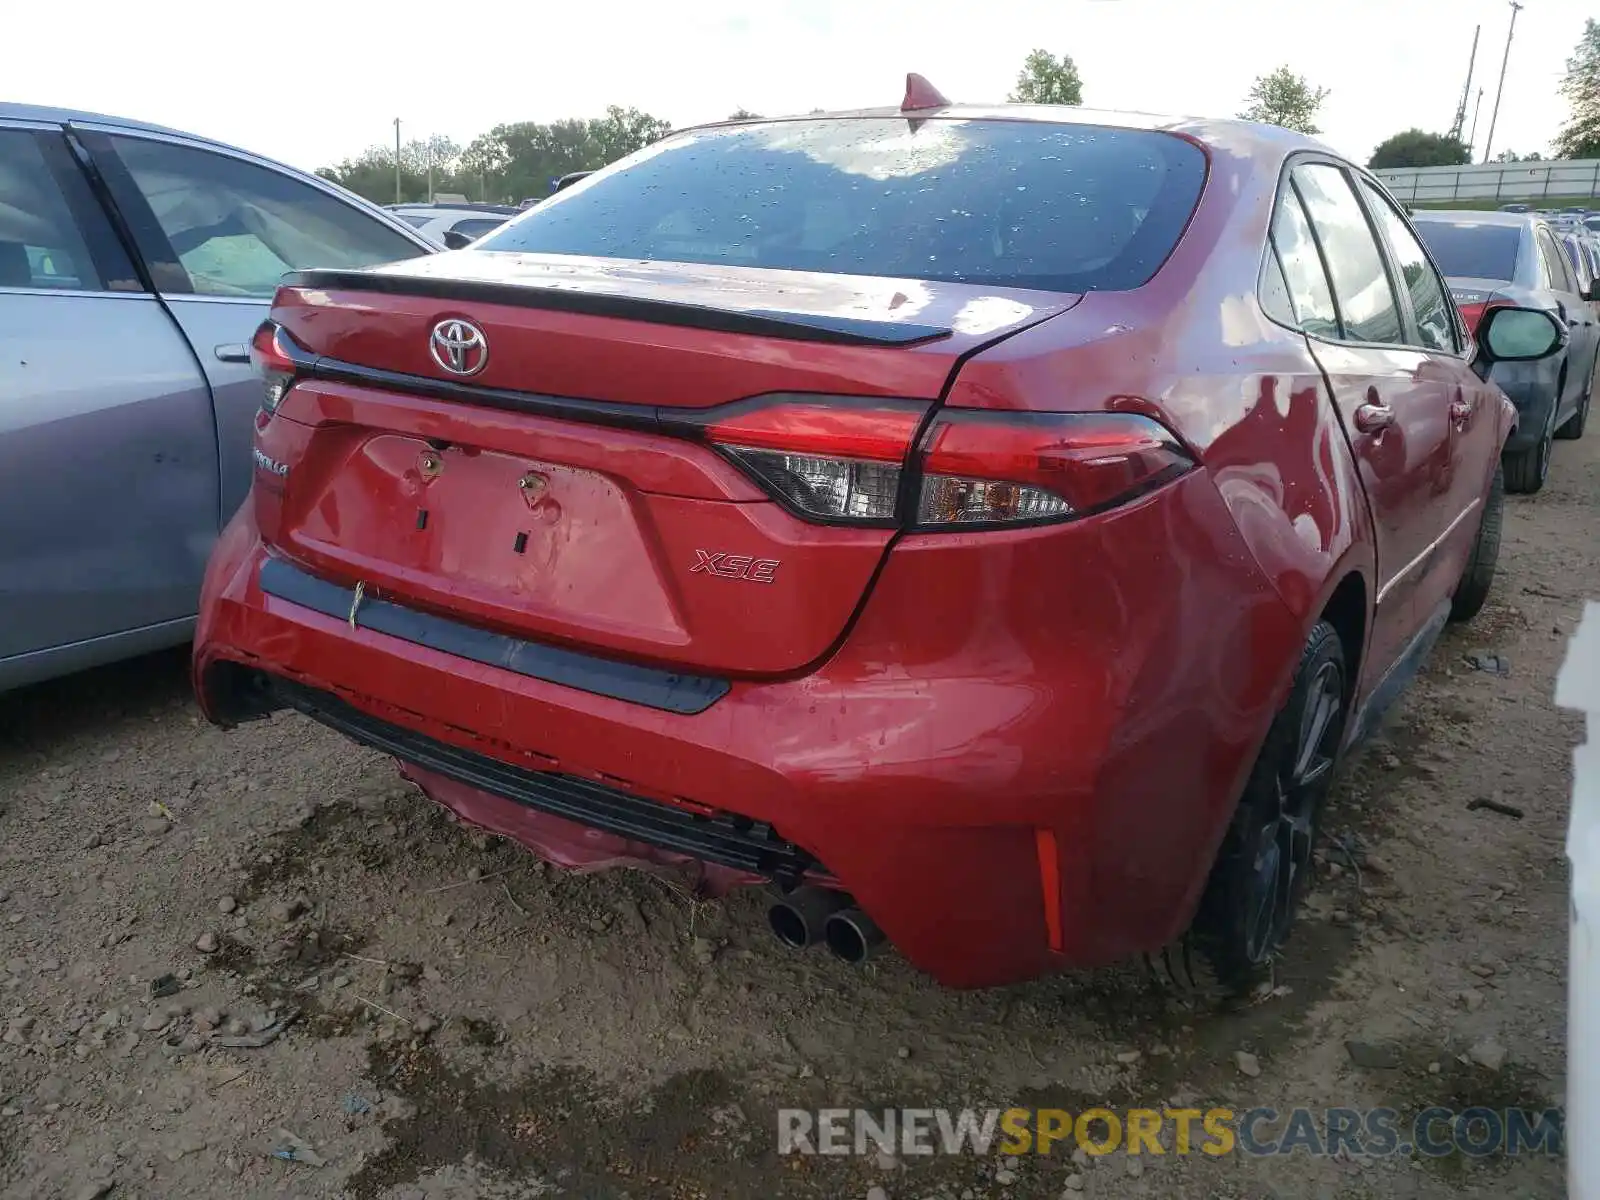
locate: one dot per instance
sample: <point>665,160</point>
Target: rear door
<point>218,229</point>
<point>108,471</point>
<point>1394,401</point>
<point>1434,330</point>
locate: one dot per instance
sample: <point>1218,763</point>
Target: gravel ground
<point>462,1022</point>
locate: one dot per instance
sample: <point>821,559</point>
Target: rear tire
<point>1478,576</point>
<point>1573,429</point>
<point>1264,862</point>
<point>1526,470</point>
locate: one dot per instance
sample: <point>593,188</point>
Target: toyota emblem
<point>459,346</point>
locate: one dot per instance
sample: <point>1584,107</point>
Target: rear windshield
<point>1006,203</point>
<point>1476,251</point>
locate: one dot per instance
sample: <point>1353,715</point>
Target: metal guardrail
<point>1494,181</point>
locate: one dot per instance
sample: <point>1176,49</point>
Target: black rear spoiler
<point>800,327</point>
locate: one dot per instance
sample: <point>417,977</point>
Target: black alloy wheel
<point>1265,862</point>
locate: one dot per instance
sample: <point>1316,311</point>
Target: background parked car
<point>468,222</point>
<point>1509,258</point>
<point>135,263</point>
<point>1582,253</point>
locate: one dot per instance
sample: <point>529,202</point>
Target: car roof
<point>1473,216</point>
<point>1203,129</point>
<point>60,116</point>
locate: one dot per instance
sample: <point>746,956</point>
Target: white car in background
<point>469,221</point>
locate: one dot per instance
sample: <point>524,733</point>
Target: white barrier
<point>1547,180</point>
<point>1578,687</point>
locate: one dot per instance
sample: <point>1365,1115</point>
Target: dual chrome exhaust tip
<point>810,915</point>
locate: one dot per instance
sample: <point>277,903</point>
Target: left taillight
<point>274,354</point>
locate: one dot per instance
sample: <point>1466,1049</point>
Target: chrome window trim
<point>262,300</point>
<point>80,293</point>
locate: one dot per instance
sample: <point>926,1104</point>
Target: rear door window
<point>49,220</point>
<point>1430,305</point>
<point>1303,271</point>
<point>1578,261</point>
<point>1557,270</point>
<point>1006,203</point>
<point>236,227</point>
<point>1368,310</point>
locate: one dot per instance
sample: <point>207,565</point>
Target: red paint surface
<point>924,712</point>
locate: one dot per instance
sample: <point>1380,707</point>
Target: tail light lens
<point>989,469</point>
<point>1472,310</point>
<point>273,353</point>
<point>834,461</point>
<point>846,461</point>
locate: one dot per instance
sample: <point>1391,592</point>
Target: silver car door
<point>218,229</point>
<point>108,471</point>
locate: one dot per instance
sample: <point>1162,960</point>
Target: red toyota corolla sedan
<point>987,526</point>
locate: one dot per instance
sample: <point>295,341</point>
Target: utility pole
<point>398,198</point>
<point>1461,109</point>
<point>1476,105</point>
<point>430,170</point>
<point>1494,115</point>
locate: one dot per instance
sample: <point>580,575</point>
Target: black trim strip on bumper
<point>649,686</point>
<point>728,841</point>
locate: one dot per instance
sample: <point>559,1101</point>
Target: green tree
<point>1580,136</point>
<point>509,163</point>
<point>1414,148</point>
<point>743,114</point>
<point>1286,99</point>
<point>1511,156</point>
<point>1046,79</point>
<point>371,173</point>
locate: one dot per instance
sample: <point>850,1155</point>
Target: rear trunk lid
<point>561,488</point>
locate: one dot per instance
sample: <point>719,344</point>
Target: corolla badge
<point>270,465</point>
<point>459,346</point>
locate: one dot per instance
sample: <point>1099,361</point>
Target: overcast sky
<point>314,83</point>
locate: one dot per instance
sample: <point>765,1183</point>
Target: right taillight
<point>846,461</point>
<point>1008,469</point>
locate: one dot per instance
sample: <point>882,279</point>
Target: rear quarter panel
<point>1194,349</point>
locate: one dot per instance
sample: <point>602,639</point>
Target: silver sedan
<point>135,262</point>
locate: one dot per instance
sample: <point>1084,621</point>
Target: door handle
<point>1374,418</point>
<point>232,352</point>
